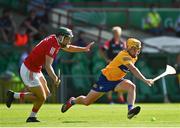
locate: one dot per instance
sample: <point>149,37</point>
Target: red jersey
<point>36,59</point>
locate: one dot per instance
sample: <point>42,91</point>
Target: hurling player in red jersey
<point>42,54</point>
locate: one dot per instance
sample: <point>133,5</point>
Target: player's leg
<point>109,97</point>
<point>91,97</point>
<point>30,79</point>
<point>130,88</point>
<point>27,78</point>
<point>11,96</point>
<point>36,95</point>
<point>44,85</point>
<point>41,97</point>
<point>41,94</point>
<point>121,97</point>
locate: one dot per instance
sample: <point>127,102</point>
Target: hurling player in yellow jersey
<point>112,78</point>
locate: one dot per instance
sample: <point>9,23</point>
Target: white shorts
<point>30,80</point>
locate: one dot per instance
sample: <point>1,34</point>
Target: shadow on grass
<point>74,121</point>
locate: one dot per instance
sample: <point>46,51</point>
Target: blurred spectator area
<point>94,20</point>
<point>80,13</point>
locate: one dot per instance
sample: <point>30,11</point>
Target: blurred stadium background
<point>94,19</point>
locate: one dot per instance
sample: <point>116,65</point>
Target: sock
<point>34,112</point>
<point>130,107</point>
<point>72,102</point>
<point>110,99</point>
<point>19,95</point>
<point>121,99</point>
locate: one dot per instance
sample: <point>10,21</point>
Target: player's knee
<point>87,103</point>
<point>133,87</point>
<point>42,98</point>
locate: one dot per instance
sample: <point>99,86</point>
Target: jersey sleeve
<point>127,60</point>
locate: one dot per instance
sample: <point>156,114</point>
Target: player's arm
<point>49,68</point>
<point>138,74</point>
<point>73,48</point>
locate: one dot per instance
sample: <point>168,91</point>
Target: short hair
<point>133,42</point>
<point>117,29</point>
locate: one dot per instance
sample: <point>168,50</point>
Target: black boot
<point>10,98</point>
<point>32,119</point>
<point>133,112</point>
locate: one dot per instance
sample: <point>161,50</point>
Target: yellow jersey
<point>117,69</point>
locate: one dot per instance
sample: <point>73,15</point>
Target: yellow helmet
<point>132,42</point>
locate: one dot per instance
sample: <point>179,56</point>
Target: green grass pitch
<point>96,115</point>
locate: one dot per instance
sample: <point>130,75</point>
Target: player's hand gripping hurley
<point>58,82</point>
<point>169,70</point>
